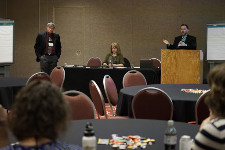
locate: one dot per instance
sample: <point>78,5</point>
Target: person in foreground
<point>184,41</point>
<point>48,49</point>
<point>114,56</point>
<point>212,129</point>
<point>3,129</point>
<point>38,115</point>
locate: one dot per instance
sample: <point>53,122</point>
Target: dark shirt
<point>190,42</point>
<point>40,45</point>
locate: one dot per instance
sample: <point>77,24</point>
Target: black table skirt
<point>8,89</point>
<point>184,103</point>
<point>78,78</point>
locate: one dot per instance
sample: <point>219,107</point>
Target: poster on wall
<point>6,41</point>
<point>216,42</point>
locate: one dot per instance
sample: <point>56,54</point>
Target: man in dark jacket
<point>48,49</point>
<point>184,41</point>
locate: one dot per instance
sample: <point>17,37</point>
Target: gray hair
<point>51,24</point>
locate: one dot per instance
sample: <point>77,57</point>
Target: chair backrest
<point>110,91</point>
<point>38,76</point>
<point>58,76</point>
<point>94,62</point>
<point>126,62</point>
<point>80,104</point>
<point>133,77</point>
<point>201,109</point>
<point>156,63</point>
<point>152,103</point>
<point>97,98</point>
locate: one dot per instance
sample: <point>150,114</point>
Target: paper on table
<point>69,66</point>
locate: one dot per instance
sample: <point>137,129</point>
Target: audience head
<point>184,29</point>
<point>115,48</point>
<point>39,111</point>
<point>216,97</point>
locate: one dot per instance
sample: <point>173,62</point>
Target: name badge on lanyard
<point>50,44</point>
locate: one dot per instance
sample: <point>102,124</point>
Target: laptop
<point>146,63</point>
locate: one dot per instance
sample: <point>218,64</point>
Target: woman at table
<point>212,129</point>
<point>114,56</point>
<point>39,113</point>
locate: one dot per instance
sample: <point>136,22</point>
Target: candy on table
<point>128,142</point>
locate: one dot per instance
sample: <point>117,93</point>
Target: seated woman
<point>212,129</point>
<point>38,114</point>
<point>115,57</point>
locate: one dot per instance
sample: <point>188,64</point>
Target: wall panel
<point>91,26</point>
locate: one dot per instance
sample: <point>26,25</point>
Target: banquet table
<point>78,78</point>
<point>104,128</point>
<point>184,103</point>
<point>9,86</point>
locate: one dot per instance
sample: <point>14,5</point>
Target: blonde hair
<point>116,45</point>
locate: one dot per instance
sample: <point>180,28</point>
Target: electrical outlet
<point>78,52</point>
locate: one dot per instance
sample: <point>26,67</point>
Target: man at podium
<point>184,41</point>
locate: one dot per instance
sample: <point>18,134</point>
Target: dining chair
<point>111,94</point>
<point>94,62</point>
<point>201,109</point>
<point>97,98</point>
<point>99,102</point>
<point>81,106</point>
<point>38,76</point>
<point>156,63</point>
<point>152,103</point>
<point>58,76</point>
<point>133,78</point>
<point>126,62</point>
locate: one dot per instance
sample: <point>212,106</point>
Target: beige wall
<point>88,27</point>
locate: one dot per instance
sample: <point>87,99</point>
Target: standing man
<point>48,49</point>
<point>184,41</point>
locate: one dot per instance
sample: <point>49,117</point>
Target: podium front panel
<point>181,66</point>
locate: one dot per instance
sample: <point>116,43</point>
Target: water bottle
<point>89,139</point>
<point>185,142</point>
<point>110,62</point>
<point>170,137</point>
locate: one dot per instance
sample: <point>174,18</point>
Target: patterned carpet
<point>108,111</point>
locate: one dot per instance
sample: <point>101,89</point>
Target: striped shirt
<point>211,137</point>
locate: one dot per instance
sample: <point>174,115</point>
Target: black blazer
<point>40,45</point>
<point>190,41</point>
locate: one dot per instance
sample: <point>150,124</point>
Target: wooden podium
<point>181,66</point>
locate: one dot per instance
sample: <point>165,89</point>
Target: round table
<point>184,103</point>
<point>104,128</point>
<point>9,86</point>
